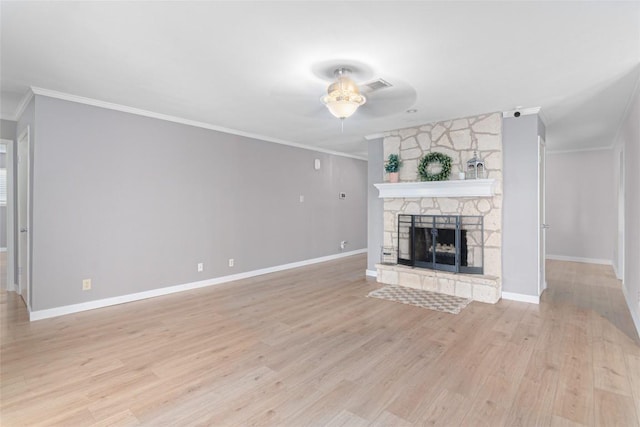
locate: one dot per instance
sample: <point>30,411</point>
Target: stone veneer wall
<point>458,139</point>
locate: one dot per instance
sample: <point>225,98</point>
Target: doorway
<point>23,219</point>
<point>542,233</point>
<point>6,215</point>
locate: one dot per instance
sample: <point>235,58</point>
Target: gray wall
<point>375,204</point>
<point>629,141</point>
<point>520,205</point>
<point>8,129</point>
<point>135,203</point>
<point>581,207</point>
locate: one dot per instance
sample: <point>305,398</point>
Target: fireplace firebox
<point>442,242</point>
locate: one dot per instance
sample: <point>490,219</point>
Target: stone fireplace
<point>475,270</point>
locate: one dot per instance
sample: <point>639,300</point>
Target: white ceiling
<point>259,67</point>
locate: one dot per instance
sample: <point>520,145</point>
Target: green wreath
<point>442,159</point>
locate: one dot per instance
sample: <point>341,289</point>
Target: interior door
<point>23,216</point>
<point>542,280</point>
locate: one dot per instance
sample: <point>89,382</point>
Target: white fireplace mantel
<point>459,188</point>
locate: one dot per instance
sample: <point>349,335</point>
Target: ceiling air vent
<point>376,85</point>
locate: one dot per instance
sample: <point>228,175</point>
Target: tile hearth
<point>478,287</point>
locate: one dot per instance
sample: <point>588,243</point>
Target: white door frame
<point>542,230</point>
<point>24,270</point>
<point>10,279</point>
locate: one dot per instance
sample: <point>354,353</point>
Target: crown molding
<point>26,99</point>
<point>523,112</point>
<point>544,117</point>
<point>374,136</point>
<point>160,116</point>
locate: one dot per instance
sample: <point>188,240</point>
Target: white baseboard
<point>371,273</point>
<point>635,312</point>
<point>3,249</point>
<point>580,259</point>
<point>521,297</point>
<point>106,302</point>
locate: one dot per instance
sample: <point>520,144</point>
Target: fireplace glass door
<point>441,242</point>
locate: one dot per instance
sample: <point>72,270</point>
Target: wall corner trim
<point>521,297</point>
<point>23,105</point>
<point>106,302</point>
<point>635,315</point>
<point>618,276</point>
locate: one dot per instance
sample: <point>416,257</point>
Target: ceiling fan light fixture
<point>343,96</point>
<point>341,109</point>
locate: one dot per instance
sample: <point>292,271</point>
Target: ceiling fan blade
<point>303,105</point>
<point>387,101</point>
<point>299,97</point>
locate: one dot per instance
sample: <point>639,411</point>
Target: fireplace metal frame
<point>455,223</point>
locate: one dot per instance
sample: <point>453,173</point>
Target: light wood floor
<point>305,347</point>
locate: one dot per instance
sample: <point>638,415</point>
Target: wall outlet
<point>231,262</point>
<point>86,284</point>
<point>342,195</point>
<point>200,267</point>
<point>301,199</point>
<point>343,244</point>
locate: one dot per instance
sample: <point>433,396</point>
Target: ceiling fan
<point>371,97</point>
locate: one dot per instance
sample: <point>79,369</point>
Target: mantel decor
<point>434,158</point>
<point>475,167</point>
<point>392,166</point>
